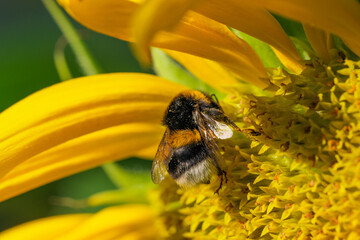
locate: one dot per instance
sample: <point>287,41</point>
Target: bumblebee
<point>188,151</point>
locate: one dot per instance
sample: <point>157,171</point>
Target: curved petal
<point>44,229</point>
<point>154,16</point>
<point>226,48</point>
<point>354,46</point>
<point>147,153</point>
<point>79,154</point>
<point>78,107</point>
<point>208,71</point>
<point>118,222</point>
<point>196,35</point>
<point>319,41</point>
<point>257,22</point>
<point>338,17</point>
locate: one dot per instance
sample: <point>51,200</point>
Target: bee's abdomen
<point>189,164</point>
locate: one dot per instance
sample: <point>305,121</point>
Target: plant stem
<point>60,60</point>
<point>84,58</point>
<point>88,65</point>
<point>114,173</point>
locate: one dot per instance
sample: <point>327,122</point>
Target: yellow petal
<point>147,153</point>
<point>78,155</point>
<point>44,229</point>
<point>339,17</point>
<point>75,108</point>
<point>195,34</point>
<point>319,41</point>
<point>120,222</point>
<point>224,47</point>
<point>257,22</point>
<point>154,16</point>
<point>116,223</point>
<point>354,46</point>
<point>206,70</point>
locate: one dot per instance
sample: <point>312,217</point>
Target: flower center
<point>293,171</point>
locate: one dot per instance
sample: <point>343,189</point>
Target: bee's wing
<point>220,130</point>
<point>209,131</point>
<point>163,154</point>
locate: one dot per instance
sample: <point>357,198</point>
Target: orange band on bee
<point>196,95</point>
<point>184,137</point>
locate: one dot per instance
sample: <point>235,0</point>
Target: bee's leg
<point>222,175</point>
<point>251,132</point>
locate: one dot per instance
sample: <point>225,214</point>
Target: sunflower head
<point>292,173</point>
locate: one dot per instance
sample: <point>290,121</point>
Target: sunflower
<point>293,172</point>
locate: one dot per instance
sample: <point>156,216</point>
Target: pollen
<point>298,177</point>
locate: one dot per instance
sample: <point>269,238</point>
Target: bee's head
<point>211,107</point>
<point>180,112</point>
<point>178,115</point>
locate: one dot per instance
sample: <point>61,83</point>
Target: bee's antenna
<point>214,97</point>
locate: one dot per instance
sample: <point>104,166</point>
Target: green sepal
<point>266,54</point>
<point>297,35</point>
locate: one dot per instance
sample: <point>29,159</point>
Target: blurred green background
<point>28,38</point>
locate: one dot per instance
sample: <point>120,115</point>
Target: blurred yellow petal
<point>339,17</point>
<point>44,229</point>
<point>147,153</point>
<point>154,16</point>
<point>289,62</point>
<point>319,41</point>
<point>354,46</point>
<point>257,22</point>
<point>206,70</point>
<point>79,154</point>
<point>79,107</point>
<point>195,34</point>
<point>120,222</point>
